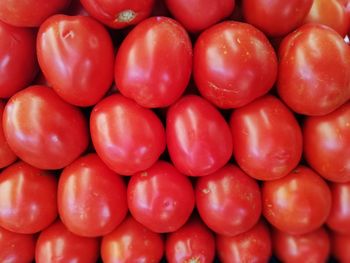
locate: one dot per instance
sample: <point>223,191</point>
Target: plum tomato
<point>7,156</point>
<point>340,247</point>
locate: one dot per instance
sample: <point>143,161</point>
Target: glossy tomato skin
<point>127,137</point>
<point>160,198</point>
<point>199,140</point>
<point>132,242</point>
<point>76,56</point>
<point>162,70</point>
<point>197,15</point>
<point>43,130</point>
<point>339,217</point>
<point>121,13</point>
<point>327,144</point>
<point>28,198</point>
<point>253,245</point>
<point>267,138</point>
<point>276,18</point>
<point>312,247</point>
<point>16,248</point>
<point>18,64</point>
<point>56,244</point>
<point>297,203</point>
<point>7,156</point>
<point>30,13</point>
<point>193,242</point>
<point>233,64</point>
<point>228,201</point>
<point>91,197</point>
<point>314,70</point>
<point>341,247</point>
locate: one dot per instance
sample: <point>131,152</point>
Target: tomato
<point>251,246</point>
<point>341,247</point>
<point>276,17</point>
<point>18,65</point>
<point>57,244</point>
<point>327,144</point>
<point>339,217</point>
<point>228,201</point>
<point>267,138</point>
<point>297,203</point>
<point>121,13</point>
<point>153,64</point>
<point>91,197</point>
<point>127,137</point>
<point>6,154</point>
<point>233,64</point>
<point>75,54</point>
<point>131,242</point>
<point>199,140</point>
<point>43,130</point>
<point>193,242</point>
<point>314,70</point>
<point>27,198</point>
<point>197,15</point>
<point>160,198</point>
<point>29,13</point>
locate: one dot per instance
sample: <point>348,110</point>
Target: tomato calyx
<point>126,16</point>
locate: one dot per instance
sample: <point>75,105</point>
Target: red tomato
<point>341,247</point>
<point>251,246</point>
<point>199,140</point>
<point>131,242</point>
<point>327,144</point>
<point>27,198</point>
<point>76,56</point>
<point>16,248</point>
<point>228,201</point>
<point>196,15</point>
<point>276,17</point>
<point>18,65</point>
<point>6,154</point>
<point>267,138</point>
<point>43,130</point>
<point>234,63</point>
<point>121,13</point>
<point>91,197</point>
<point>160,198</point>
<point>29,13</point>
<point>127,137</point>
<point>153,64</point>
<point>339,217</point>
<point>297,203</point>
<point>56,244</point>
<point>314,70</point>
<point>193,242</point>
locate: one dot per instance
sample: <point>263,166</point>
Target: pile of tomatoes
<point>174,130</point>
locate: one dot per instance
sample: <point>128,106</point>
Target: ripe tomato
<point>276,17</point>
<point>119,14</point>
<point>297,203</point>
<point>56,244</point>
<point>18,65</point>
<point>153,64</point>
<point>132,242</point>
<point>199,140</point>
<point>160,198</point>
<point>228,201</point>
<point>251,246</point>
<point>29,13</point>
<point>341,247</point>
<point>193,242</point>
<point>6,154</point>
<point>127,137</point>
<point>27,198</point>
<point>233,64</point>
<point>196,15</point>
<point>314,70</point>
<point>91,197</point>
<point>75,54</point>
<point>43,130</point>
<point>327,144</point>
<point>267,138</point>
